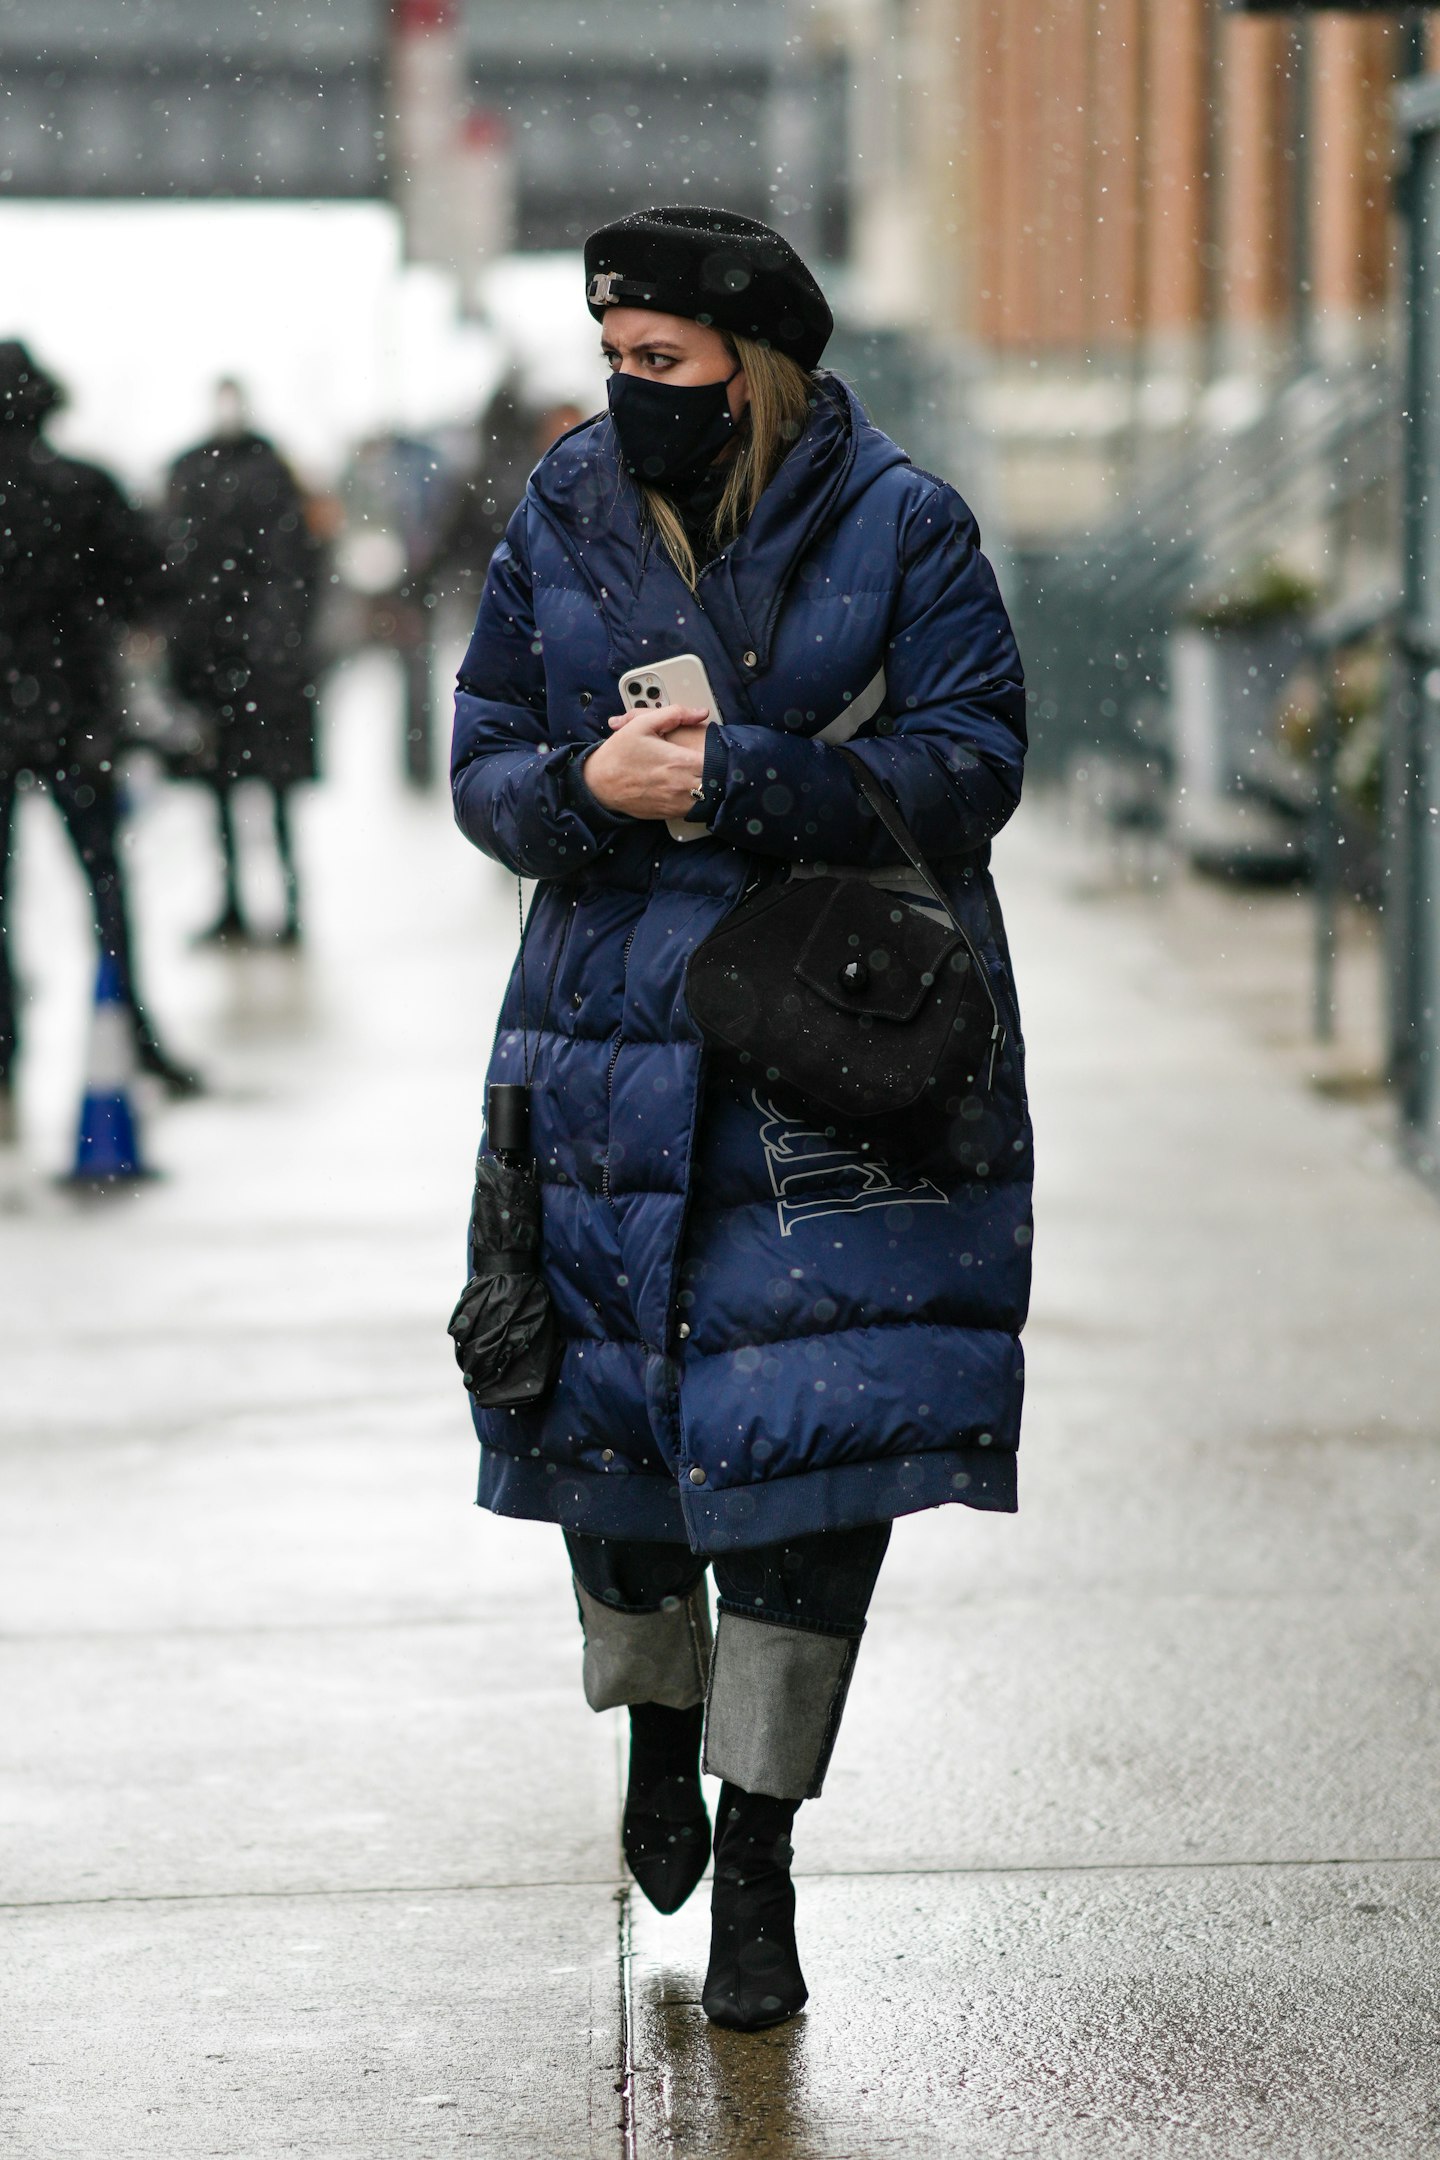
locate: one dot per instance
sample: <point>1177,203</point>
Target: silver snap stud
<point>697,1477</point>
<point>684,1329</point>
<point>749,659</point>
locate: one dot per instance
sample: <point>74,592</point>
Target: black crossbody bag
<point>860,1002</point>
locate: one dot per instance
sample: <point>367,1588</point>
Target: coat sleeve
<point>126,563</point>
<point>953,741</point>
<point>514,796</point>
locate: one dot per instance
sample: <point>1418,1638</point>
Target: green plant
<point>1268,592</point>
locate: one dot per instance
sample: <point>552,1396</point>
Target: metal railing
<point>1097,611</point>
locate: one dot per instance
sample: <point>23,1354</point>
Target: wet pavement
<point>1131,1843</point>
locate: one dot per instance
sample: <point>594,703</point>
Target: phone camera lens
<point>635,689</point>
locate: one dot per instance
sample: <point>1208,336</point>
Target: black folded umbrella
<point>506,1341</point>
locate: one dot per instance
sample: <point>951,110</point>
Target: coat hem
<point>850,1495</point>
<point>627,1504</point>
<point>652,1509</point>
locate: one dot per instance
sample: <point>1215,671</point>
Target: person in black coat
<point>483,499</point>
<point>246,574</point>
<point>76,563</point>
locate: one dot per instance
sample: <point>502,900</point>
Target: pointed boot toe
<point>666,1831</point>
<point>667,1842</point>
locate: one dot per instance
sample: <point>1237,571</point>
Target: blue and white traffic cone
<point>107,1143</point>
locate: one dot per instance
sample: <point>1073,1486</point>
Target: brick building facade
<point>1125,214</point>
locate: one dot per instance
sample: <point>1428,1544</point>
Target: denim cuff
<point>659,1657</point>
<point>774,1705</point>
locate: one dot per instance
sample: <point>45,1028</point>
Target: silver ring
<point>697,793</point>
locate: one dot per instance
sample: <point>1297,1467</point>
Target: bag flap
<point>870,954</point>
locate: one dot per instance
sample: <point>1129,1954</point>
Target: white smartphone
<point>681,681</point>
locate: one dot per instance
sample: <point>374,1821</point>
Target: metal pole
<point>1408,871</point>
<point>1327,849</point>
<point>1302,247</point>
<point>419,713</point>
<point>1412,42</point>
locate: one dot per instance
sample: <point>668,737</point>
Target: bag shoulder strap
<point>885,809</point>
<point>858,713</point>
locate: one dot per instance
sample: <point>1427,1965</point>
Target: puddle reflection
<point>726,2095</point>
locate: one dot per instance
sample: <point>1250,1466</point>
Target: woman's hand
<point>652,764</point>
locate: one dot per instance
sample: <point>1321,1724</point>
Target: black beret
<point>714,267</point>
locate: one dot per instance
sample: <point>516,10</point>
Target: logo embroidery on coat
<point>799,1159</point>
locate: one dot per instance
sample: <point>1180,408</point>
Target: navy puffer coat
<point>768,1332</point>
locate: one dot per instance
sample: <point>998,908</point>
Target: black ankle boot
<point>228,928</point>
<point>667,1831</point>
<point>754,1978</point>
<point>179,1083</point>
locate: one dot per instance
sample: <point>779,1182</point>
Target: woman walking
<point>778,1331</point>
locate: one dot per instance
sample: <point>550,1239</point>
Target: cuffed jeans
<point>775,1675</point>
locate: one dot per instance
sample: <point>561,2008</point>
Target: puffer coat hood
<point>768,1331</point>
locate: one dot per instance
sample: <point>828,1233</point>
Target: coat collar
<point>581,490</point>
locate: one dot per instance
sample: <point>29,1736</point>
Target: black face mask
<point>669,433</point>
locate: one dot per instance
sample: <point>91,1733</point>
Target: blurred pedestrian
<point>245,573</point>
<point>509,440</point>
<point>776,1333</point>
<point>77,564</point>
<point>394,494</point>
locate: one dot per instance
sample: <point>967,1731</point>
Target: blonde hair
<point>781,394</point>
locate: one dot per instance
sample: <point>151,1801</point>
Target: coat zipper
<point>615,1056</point>
<point>997,1040</point>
